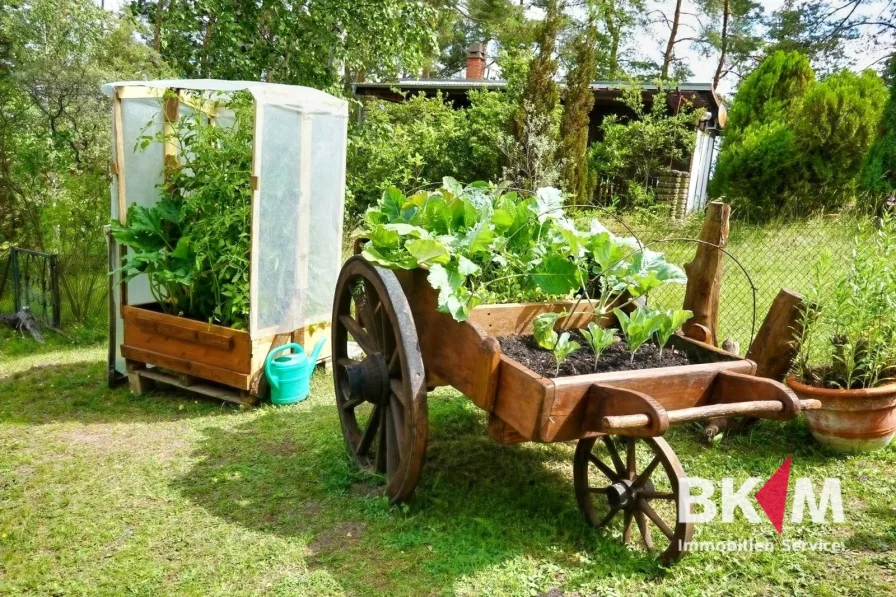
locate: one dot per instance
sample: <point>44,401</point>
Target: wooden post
<point>775,347</point>
<point>705,271</point>
<point>773,351</point>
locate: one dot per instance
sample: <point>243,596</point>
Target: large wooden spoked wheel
<point>635,480</point>
<point>378,375</point>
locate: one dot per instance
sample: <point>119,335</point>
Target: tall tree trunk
<point>723,43</point>
<point>157,26</point>
<point>673,35</point>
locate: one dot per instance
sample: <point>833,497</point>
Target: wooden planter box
<point>195,349</point>
<point>524,406</point>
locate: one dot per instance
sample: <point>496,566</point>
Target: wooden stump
<point>705,271</point>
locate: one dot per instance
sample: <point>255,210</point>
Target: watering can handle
<point>267,362</point>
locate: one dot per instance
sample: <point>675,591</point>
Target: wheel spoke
<point>369,433</point>
<point>653,516</point>
<point>600,490</point>
<point>394,362</point>
<point>358,333</point>
<point>649,494</point>
<point>353,403</point>
<point>607,471</point>
<point>397,410</point>
<point>381,449</point>
<point>346,362</point>
<point>644,530</point>
<point>397,388</point>
<point>630,457</point>
<point>614,455</point>
<point>606,519</point>
<point>627,527</point>
<point>392,454</point>
<point>645,474</point>
<point>368,315</point>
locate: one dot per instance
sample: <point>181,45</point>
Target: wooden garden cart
<point>622,465</point>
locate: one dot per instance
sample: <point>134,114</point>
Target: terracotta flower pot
<point>850,420</point>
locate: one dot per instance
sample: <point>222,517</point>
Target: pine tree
<point>579,101</point>
<point>878,177</point>
<point>541,93</point>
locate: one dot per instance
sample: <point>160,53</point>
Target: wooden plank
<point>520,398</point>
<point>705,271</point>
<point>517,318</point>
<point>458,352</point>
<point>672,388</point>
<point>117,123</point>
<point>230,378</point>
<point>187,339</point>
<point>503,433</point>
<point>171,115</point>
<point>137,384</point>
<point>205,389</point>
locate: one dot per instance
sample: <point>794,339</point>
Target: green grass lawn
<point>102,493</point>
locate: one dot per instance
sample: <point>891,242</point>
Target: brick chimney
<point>476,61</point>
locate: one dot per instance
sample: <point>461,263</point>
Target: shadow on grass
<point>479,505</point>
<point>78,392</point>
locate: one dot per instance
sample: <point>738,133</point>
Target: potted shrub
<point>847,358</point>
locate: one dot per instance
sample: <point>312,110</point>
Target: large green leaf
<point>427,251</point>
<point>556,275</point>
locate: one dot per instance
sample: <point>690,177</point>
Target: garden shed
<point>297,198</point>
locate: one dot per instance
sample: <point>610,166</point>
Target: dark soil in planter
<point>617,357</point>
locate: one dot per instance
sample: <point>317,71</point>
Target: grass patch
<point>102,493</point>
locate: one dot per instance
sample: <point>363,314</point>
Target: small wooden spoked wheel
<point>378,375</point>
<point>635,480</point>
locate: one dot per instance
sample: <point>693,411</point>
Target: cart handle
<point>684,415</point>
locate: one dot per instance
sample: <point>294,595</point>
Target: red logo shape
<point>773,495</point>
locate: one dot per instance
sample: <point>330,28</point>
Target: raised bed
<point>198,350</point>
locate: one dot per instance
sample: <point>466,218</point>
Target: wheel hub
<point>369,379</point>
<point>624,494</point>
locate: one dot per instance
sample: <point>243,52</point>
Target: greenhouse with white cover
<point>226,239</point>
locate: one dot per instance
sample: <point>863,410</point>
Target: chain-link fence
<point>774,256</point>
<point>30,280</point>
<point>59,290</point>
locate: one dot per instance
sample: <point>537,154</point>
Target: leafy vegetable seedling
<point>560,345</point>
<point>638,327</point>
<point>599,339</point>
<point>670,321</point>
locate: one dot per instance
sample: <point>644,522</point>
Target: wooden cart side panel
<point>458,353</point>
<point>185,339</point>
<point>520,398</point>
<point>671,387</point>
<point>516,318</point>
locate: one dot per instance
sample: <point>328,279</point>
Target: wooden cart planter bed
<point>409,347</point>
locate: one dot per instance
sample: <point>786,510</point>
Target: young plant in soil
<point>638,327</point>
<point>848,338</point>
<point>670,321</point>
<point>599,339</point>
<point>559,344</point>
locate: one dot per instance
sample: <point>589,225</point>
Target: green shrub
<point>418,142</point>
<point>634,149</point>
<point>878,177</point>
<point>793,145</point>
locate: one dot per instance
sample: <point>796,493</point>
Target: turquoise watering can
<point>289,374</point>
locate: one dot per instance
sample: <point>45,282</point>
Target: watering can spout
<point>312,360</point>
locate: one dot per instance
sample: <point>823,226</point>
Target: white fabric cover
<point>297,211</point>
